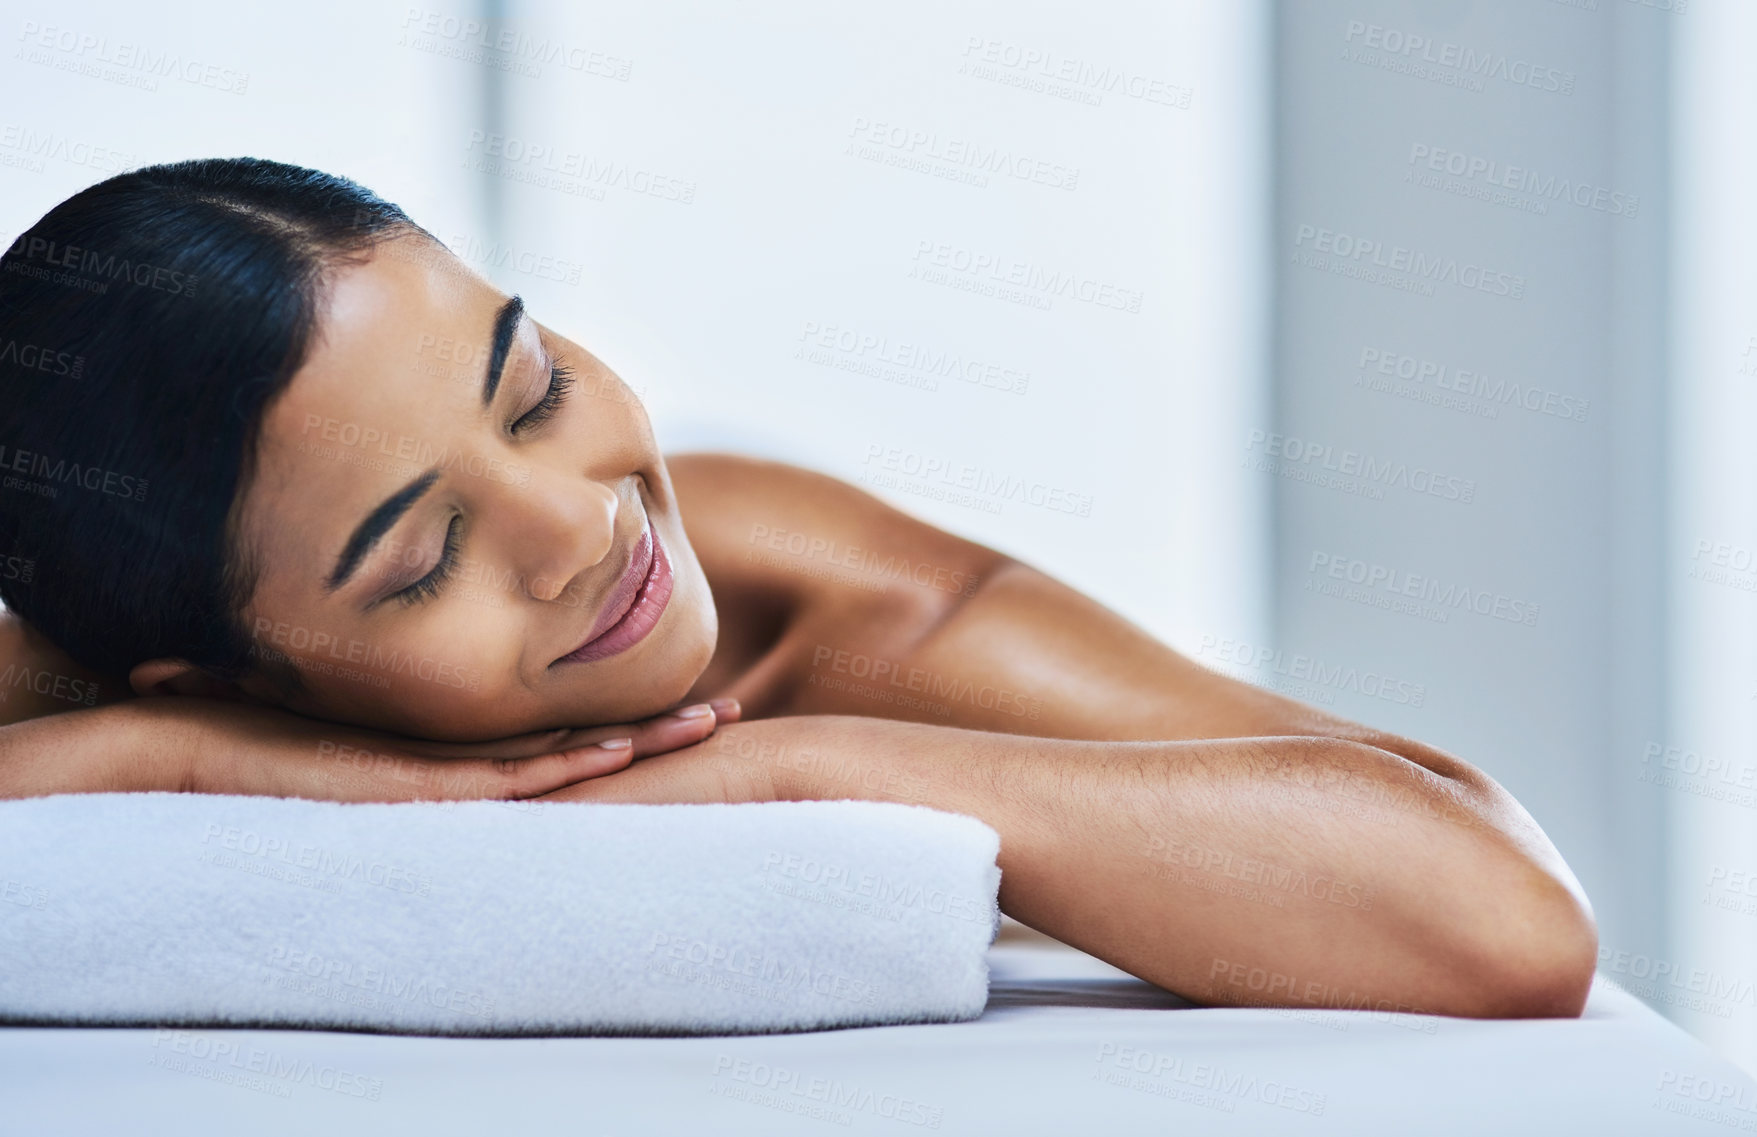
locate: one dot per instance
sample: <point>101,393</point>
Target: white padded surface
<point>491,917</point>
<point>1053,1054</point>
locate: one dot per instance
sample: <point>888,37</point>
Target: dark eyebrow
<point>506,322</point>
<point>376,525</point>
<point>381,520</point>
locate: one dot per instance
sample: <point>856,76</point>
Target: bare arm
<point>65,729</point>
<point>1292,871</point>
<point>862,609</point>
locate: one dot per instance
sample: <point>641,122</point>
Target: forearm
<point>120,748</point>
<point>1284,871</point>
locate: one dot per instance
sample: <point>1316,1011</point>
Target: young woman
<point>296,504</point>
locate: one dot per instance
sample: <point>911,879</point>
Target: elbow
<point>1536,949</point>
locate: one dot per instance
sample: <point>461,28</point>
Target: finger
<point>657,735</point>
<point>660,734</point>
<point>693,776</point>
<point>412,777</point>
<point>533,777</point>
<point>529,745</point>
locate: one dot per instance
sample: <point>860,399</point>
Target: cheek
<point>459,704</point>
<point>463,682</point>
<point>454,680</point>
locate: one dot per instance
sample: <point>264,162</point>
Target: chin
<point>683,656</point>
<point>653,678</point>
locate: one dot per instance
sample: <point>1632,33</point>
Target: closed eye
<point>560,383</point>
<point>428,586</point>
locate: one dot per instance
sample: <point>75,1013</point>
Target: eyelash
<point>560,383</point>
<point>428,586</point>
<point>425,589</point>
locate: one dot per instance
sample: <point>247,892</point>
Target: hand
<point>792,758</point>
<point>190,744</point>
<point>285,755</point>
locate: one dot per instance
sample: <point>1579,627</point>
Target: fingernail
<point>616,744</point>
<point>721,706</point>
<point>698,711</point>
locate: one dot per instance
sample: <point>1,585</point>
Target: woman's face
<point>449,501</point>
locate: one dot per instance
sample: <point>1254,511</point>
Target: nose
<point>555,527</point>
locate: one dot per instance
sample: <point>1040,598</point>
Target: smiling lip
<point>634,606</point>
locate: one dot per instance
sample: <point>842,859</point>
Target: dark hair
<point>145,324</point>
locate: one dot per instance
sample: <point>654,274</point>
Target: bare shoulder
<point>38,678</point>
<point>753,520</point>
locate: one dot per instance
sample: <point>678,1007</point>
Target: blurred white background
<point>792,228</point>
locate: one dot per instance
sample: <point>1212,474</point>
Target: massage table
<point>1067,1045</point>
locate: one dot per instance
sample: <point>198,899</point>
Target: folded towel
<point>492,918</point>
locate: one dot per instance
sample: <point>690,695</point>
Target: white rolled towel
<point>491,918</point>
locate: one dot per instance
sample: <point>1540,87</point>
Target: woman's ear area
<point>169,676</point>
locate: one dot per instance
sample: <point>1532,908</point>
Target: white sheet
<point>1044,1058</point>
